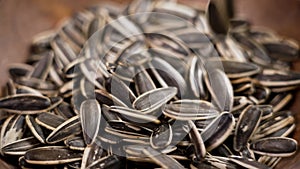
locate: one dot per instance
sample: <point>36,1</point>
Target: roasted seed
<point>220,89</point>
<point>246,126</point>
<point>66,129</point>
<point>25,104</point>
<point>154,99</point>
<point>275,146</point>
<point>20,147</point>
<point>90,116</point>
<point>218,130</point>
<point>35,129</point>
<point>51,155</point>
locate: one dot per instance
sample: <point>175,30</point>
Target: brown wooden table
<point>20,20</point>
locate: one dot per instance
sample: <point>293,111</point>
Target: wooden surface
<point>20,20</point>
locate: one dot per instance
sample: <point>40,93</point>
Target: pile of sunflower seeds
<point>159,85</point>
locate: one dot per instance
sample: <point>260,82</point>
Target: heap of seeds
<point>159,85</point>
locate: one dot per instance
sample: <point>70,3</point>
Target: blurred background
<point>20,20</point>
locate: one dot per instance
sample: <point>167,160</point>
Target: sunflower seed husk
<point>49,120</point>
<point>275,146</point>
<point>90,116</point>
<point>134,115</point>
<point>117,87</point>
<point>161,137</point>
<point>51,155</point>
<point>276,78</point>
<point>190,110</point>
<point>284,50</point>
<point>35,129</point>
<point>143,81</point>
<point>170,75</point>
<point>66,129</point>
<point>103,97</point>
<point>218,130</point>
<point>246,126</point>
<point>219,14</point>
<point>154,99</point>
<point>25,104</point>
<point>91,152</point>
<point>75,143</point>
<point>220,89</point>
<point>20,147</point>
<point>42,67</point>
<point>12,130</point>
<point>199,146</point>
<point>19,70</point>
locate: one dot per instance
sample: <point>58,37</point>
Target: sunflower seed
<point>35,129</point>
<point>235,69</point>
<point>49,120</point>
<point>91,152</point>
<point>66,129</point>
<point>163,44</point>
<point>25,104</point>
<point>199,146</point>
<point>222,94</point>
<point>19,70</point>
<point>103,97</point>
<point>41,42</point>
<point>65,110</point>
<point>278,78</point>
<point>284,50</point>
<point>280,101</point>
<point>12,130</point>
<point>51,155</point>
<point>161,137</point>
<point>190,110</point>
<point>75,143</point>
<point>19,147</point>
<point>154,99</point>
<point>218,130</point>
<point>90,116</point>
<point>196,79</point>
<point>246,126</point>
<point>134,115</point>
<point>219,13</point>
<point>117,87</point>
<point>42,67</point>
<point>170,75</point>
<point>130,127</point>
<point>143,81</point>
<point>275,146</point>
<point>72,35</point>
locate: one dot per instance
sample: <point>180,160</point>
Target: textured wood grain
<point>20,20</point>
